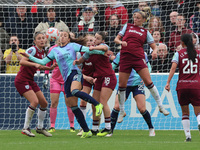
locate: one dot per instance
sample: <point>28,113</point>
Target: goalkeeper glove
<point>46,81</point>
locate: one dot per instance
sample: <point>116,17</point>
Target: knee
<point>35,103</point>
<point>116,107</point>
<point>142,110</point>
<point>54,104</point>
<point>74,91</point>
<point>43,103</point>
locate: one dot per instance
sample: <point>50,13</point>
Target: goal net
<point>166,21</point>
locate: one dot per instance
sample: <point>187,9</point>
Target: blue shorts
<point>139,89</point>
<point>74,76</point>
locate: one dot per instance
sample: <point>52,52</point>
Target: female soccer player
<point>136,86</point>
<point>57,86</point>
<point>132,56</point>
<point>26,86</point>
<point>88,80</point>
<point>72,76</point>
<point>188,85</point>
<point>105,83</point>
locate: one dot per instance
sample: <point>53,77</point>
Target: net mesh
<point>161,23</point>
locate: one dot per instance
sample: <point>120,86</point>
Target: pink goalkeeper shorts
<point>56,87</point>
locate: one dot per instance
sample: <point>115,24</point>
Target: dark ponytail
<point>102,34</point>
<point>80,40</point>
<point>188,41</point>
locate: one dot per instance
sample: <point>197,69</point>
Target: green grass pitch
<point>121,140</point>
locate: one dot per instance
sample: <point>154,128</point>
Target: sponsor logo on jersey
<point>27,86</point>
<point>134,31</point>
<point>88,64</point>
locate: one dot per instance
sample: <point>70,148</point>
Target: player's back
<point>189,77</point>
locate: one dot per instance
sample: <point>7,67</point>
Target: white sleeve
<point>31,51</point>
<point>123,30</point>
<point>176,58</point>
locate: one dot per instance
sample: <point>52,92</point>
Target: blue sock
<point>147,118</point>
<point>114,116</point>
<point>86,97</point>
<point>80,118</point>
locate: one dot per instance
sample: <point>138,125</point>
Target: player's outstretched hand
<point>124,43</point>
<point>25,55</point>
<point>54,66</point>
<point>94,80</point>
<point>91,48</point>
<point>89,79</point>
<point>167,87</point>
<point>75,62</point>
<point>108,53</point>
<point>38,66</point>
<point>154,55</point>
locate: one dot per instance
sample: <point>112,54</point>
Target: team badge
<point>30,51</point>
<point>27,86</point>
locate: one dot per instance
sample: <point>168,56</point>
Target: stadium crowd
<point>26,17</point>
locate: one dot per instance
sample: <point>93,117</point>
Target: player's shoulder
<point>31,50</point>
<point>183,50</point>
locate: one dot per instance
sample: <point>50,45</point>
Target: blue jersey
<point>64,57</point>
<point>134,78</point>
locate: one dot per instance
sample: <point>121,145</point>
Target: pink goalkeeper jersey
<point>189,77</point>
<point>56,72</point>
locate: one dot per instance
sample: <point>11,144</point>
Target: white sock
<point>198,118</point>
<point>108,126</point>
<point>95,125</point>
<point>28,117</point>
<point>156,96</point>
<point>121,98</point>
<point>41,117</point>
<point>186,127</point>
<point>83,109</point>
<point>95,128</point>
<point>108,123</point>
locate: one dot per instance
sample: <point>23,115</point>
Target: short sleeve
<point>105,45</point>
<point>150,39</point>
<point>86,56</point>
<point>31,51</point>
<point>176,58</point>
<point>123,30</point>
